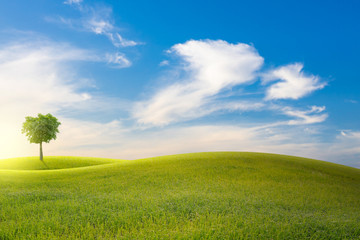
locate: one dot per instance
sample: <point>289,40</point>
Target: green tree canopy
<point>41,129</point>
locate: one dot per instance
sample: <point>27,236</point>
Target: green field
<point>223,195</point>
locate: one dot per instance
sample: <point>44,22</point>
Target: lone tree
<point>41,129</point>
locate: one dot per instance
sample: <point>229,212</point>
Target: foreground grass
<point>226,195</point>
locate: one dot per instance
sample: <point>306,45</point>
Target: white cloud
<point>81,135</point>
<point>310,116</point>
<point>346,148</point>
<point>164,63</point>
<point>70,2</point>
<point>118,60</point>
<point>98,20</point>
<point>351,101</point>
<point>351,135</point>
<point>238,106</point>
<point>31,75</point>
<point>99,26</point>
<point>209,67</point>
<point>119,41</point>
<point>293,84</point>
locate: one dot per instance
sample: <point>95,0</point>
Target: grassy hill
<point>51,163</point>
<point>223,195</point>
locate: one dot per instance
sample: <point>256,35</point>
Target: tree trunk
<point>41,152</point>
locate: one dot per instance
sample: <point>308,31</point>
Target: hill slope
<point>227,195</point>
<point>51,163</point>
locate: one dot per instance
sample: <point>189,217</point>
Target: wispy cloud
<point>119,41</point>
<point>33,71</point>
<point>346,149</point>
<point>118,60</point>
<point>306,117</point>
<point>98,20</point>
<point>164,63</point>
<point>292,83</point>
<point>208,67</point>
<point>70,2</point>
<point>98,26</point>
<point>351,101</point>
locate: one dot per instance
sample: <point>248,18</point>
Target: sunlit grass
<point>200,196</point>
<point>50,163</point>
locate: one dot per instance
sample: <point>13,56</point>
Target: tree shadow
<point>45,164</point>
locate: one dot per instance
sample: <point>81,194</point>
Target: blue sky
<point>131,79</point>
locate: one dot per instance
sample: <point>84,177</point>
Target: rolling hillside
<point>222,195</point>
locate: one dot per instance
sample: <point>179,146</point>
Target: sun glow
<point>13,143</point>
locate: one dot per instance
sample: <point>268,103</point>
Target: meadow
<point>214,195</point>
